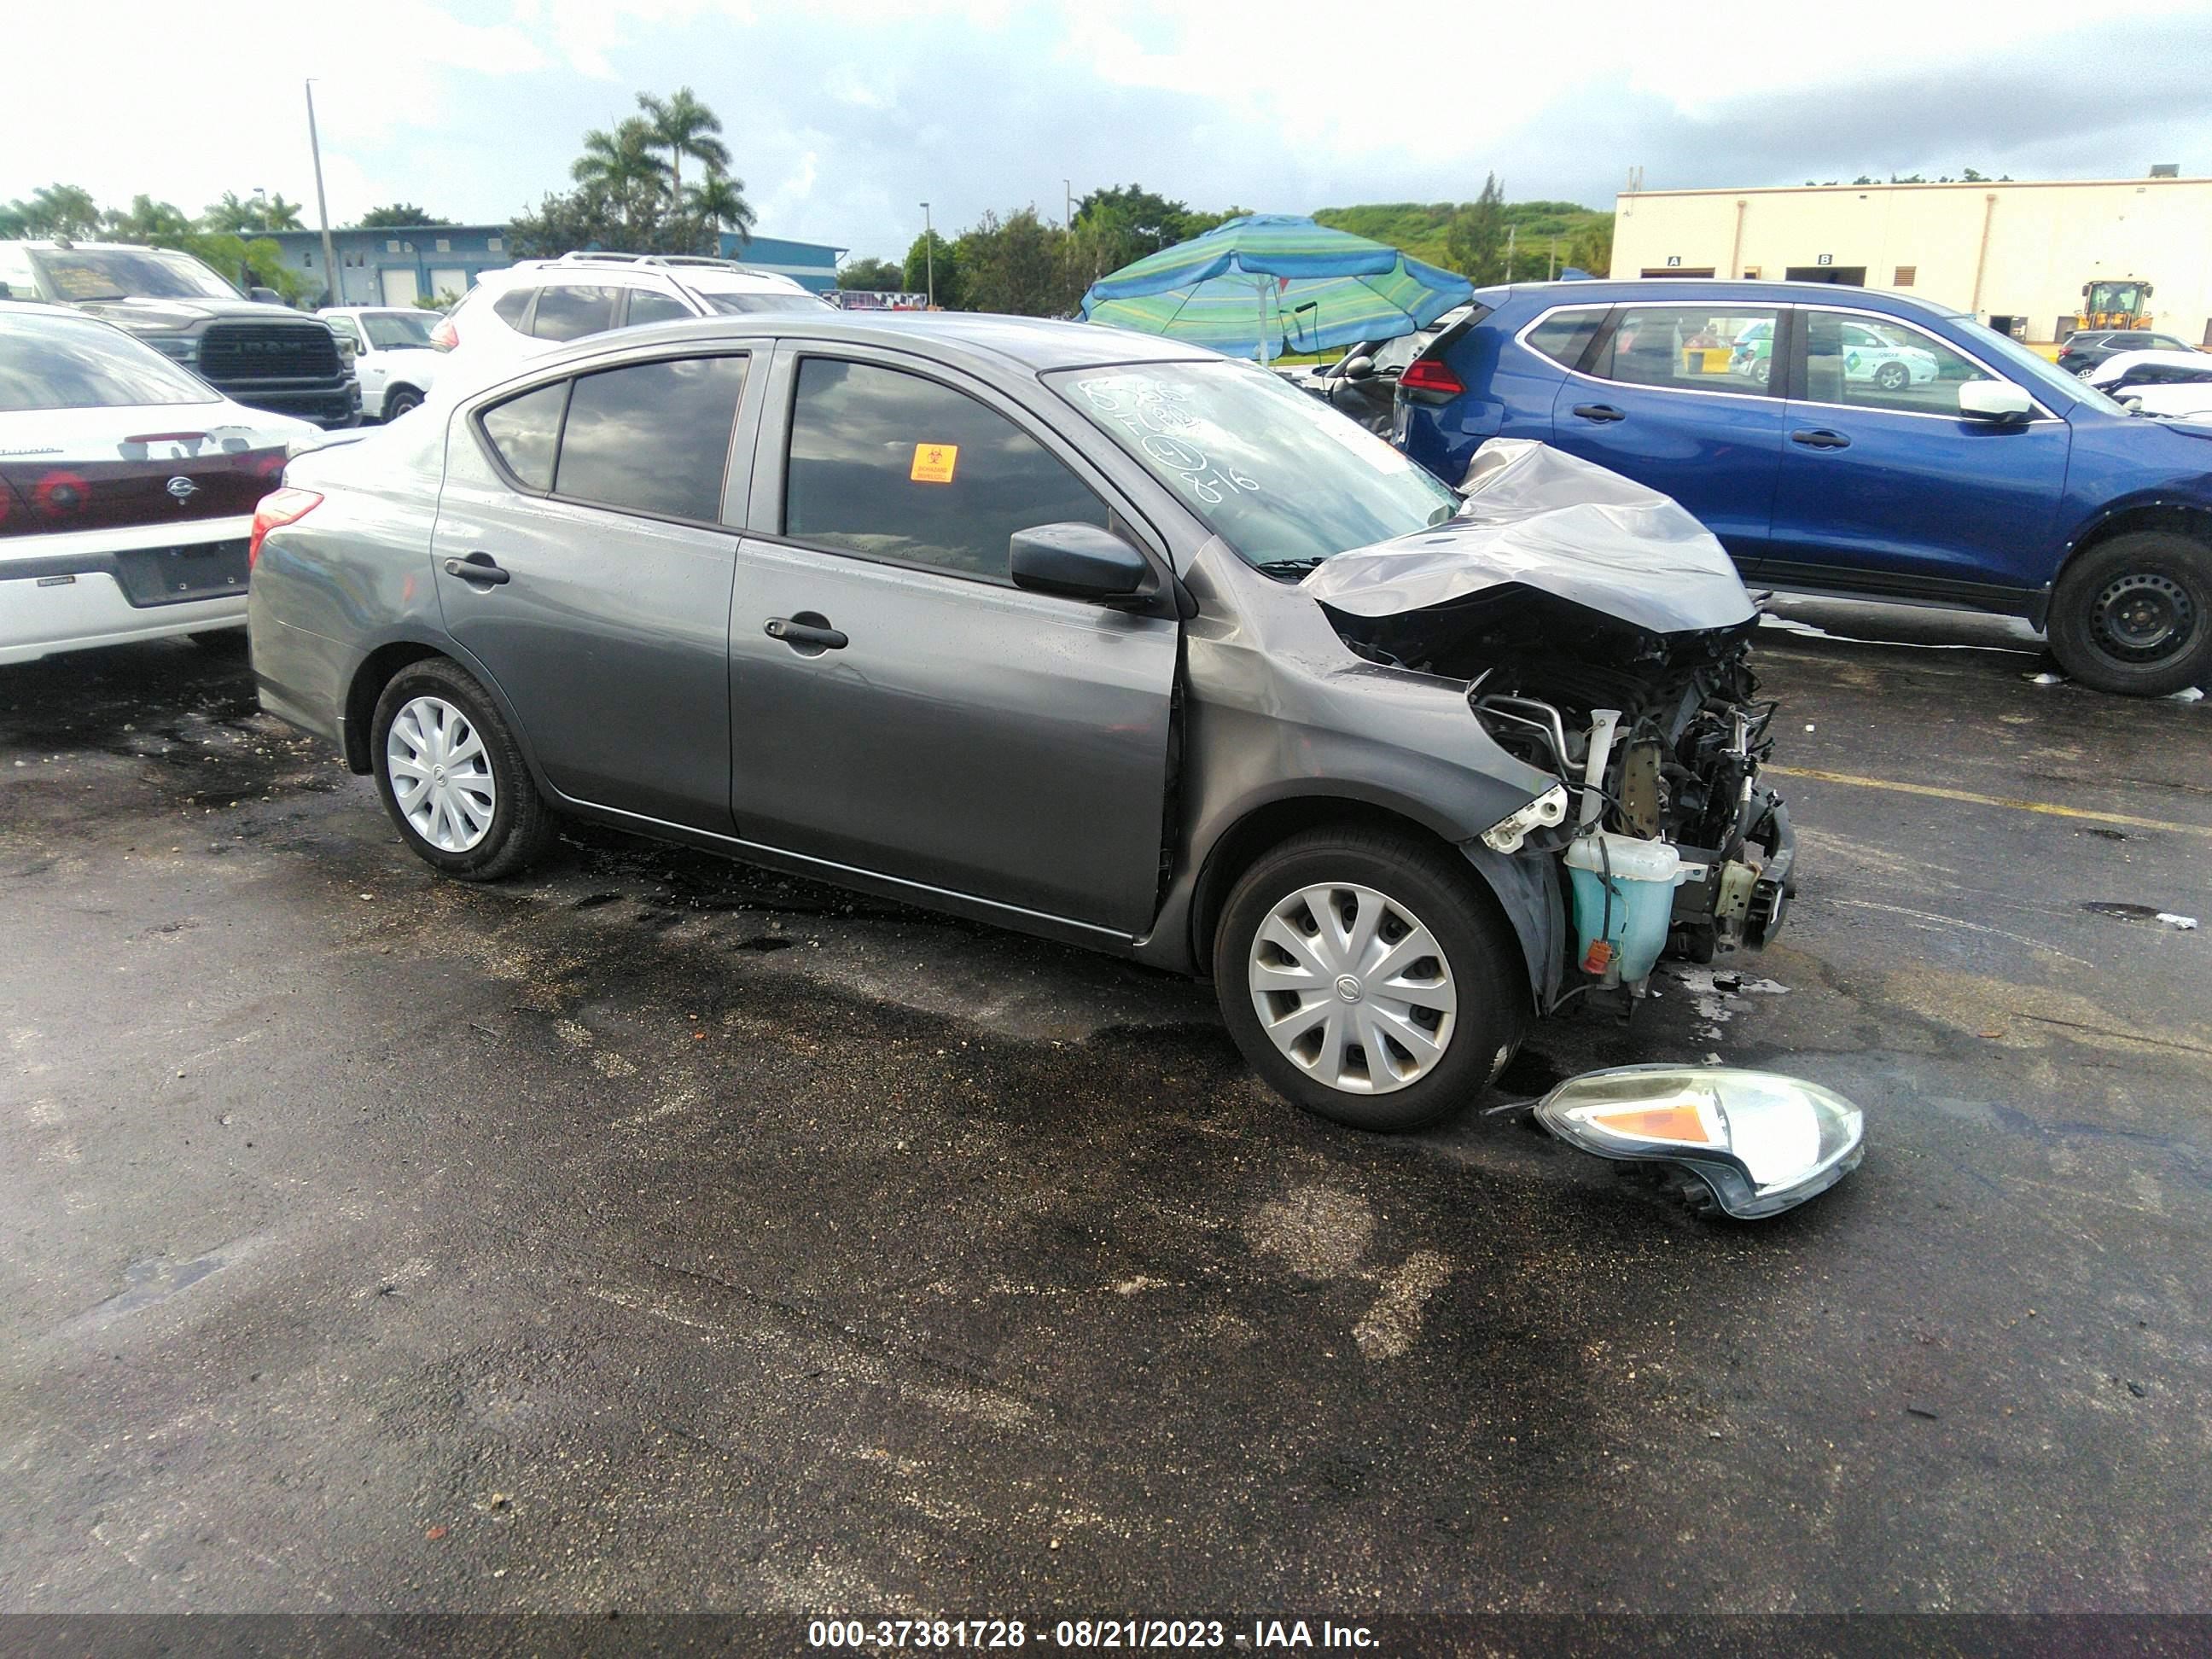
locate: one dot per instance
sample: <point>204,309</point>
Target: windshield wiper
<point>1289,566</point>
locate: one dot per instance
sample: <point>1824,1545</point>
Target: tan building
<point>2016,254</point>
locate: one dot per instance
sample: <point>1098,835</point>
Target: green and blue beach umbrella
<point>1267,284</point>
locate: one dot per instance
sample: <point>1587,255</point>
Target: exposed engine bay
<point>1605,639</point>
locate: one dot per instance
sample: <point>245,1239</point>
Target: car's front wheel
<point>2134,615</point>
<point>451,776</point>
<point>1893,377</point>
<point>1367,978</point>
<point>399,400</point>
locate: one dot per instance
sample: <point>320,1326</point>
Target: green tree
<point>562,223</point>
<point>621,169</point>
<point>933,252</point>
<point>1474,246</point>
<point>874,276</point>
<point>1590,247</point>
<point>720,205</point>
<point>161,224</point>
<point>398,215</point>
<point>1018,264</point>
<point>251,215</point>
<point>53,210</point>
<point>684,126</point>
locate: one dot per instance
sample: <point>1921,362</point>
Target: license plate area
<point>177,575</point>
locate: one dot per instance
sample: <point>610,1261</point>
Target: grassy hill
<point>1419,227</point>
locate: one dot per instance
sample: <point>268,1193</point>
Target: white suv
<point>538,304</point>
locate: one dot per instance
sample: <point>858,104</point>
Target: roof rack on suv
<point>594,256</point>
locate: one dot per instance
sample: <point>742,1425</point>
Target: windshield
<point>392,330</point>
<point>1278,475</point>
<point>736,304</point>
<point>66,361</point>
<point>128,273</point>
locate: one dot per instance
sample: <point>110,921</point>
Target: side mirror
<point>1082,561</point>
<point>1993,400</point>
<point>1358,369</point>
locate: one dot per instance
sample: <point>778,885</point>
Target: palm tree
<point>621,166</point>
<point>720,203</point>
<point>281,215</point>
<point>684,126</point>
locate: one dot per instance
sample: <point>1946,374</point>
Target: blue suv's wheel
<point>2134,615</point>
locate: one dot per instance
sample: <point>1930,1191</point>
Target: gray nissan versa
<point>1071,629</point>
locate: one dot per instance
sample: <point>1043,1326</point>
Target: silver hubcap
<point>441,774</point>
<point>1353,987</point>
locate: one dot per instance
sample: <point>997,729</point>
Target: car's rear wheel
<point>2134,615</point>
<point>399,400</point>
<point>451,776</point>
<point>1891,377</point>
<point>1368,979</point>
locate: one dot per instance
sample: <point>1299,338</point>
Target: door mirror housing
<point>1994,400</point>
<point>1358,369</point>
<point>267,296</point>
<point>1080,561</point>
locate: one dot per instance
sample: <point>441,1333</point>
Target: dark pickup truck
<point>254,351</point>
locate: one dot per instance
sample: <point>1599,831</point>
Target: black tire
<point>1486,969</point>
<point>397,400</point>
<point>1893,377</point>
<point>2134,615</point>
<point>521,823</point>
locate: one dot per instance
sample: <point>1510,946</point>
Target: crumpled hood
<point>1554,522</point>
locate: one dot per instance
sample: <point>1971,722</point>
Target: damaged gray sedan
<point>1064,629</point>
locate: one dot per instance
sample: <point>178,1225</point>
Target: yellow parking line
<point>2049,808</point>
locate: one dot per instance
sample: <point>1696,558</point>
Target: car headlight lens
<point>182,346</point>
<point>1761,1142</point>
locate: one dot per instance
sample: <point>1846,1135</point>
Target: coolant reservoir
<point>1624,889</point>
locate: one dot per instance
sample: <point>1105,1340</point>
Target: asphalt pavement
<point>652,1233</point>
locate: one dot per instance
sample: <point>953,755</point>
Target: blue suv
<point>1839,440</point>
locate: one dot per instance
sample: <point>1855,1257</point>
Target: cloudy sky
<point>842,115</point>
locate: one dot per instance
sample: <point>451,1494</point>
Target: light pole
<point>333,294</point>
<point>929,255</point>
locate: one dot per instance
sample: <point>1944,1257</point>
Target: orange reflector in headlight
<point>1683,1124</point>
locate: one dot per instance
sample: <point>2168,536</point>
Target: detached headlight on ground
<point>1762,1142</point>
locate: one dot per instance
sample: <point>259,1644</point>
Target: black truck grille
<point>268,351</point>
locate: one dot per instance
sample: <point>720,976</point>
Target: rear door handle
<point>476,567</point>
<point>1820,437</point>
<point>1600,412</point>
<point>799,635</point>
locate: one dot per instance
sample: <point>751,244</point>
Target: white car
<point>129,488</point>
<point>2127,370</point>
<point>1869,354</point>
<point>394,356</point>
<point>2181,400</point>
<point>540,304</point>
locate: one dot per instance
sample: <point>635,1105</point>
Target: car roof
<point>2184,358</point>
<point>1659,290</point>
<point>1035,344</point>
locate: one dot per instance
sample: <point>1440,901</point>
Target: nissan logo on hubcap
<point>182,487</point>
<point>1348,988</point>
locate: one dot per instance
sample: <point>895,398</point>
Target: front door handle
<point>806,632</point>
<point>476,567</point>
<point>1600,412</point>
<point>1820,437</point>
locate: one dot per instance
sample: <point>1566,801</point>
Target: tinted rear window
<point>653,437</point>
<point>524,431</point>
<point>569,310</point>
<point>1565,335</point>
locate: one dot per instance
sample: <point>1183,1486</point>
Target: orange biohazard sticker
<point>933,463</point>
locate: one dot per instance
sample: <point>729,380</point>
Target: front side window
<point>646,306</point>
<point>569,310</point>
<point>1716,348</point>
<point>893,466</point>
<point>652,437</point>
<point>1279,475</point>
<point>68,362</point>
<point>525,429</point>
<point>1566,335</point>
<point>1867,365</point>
